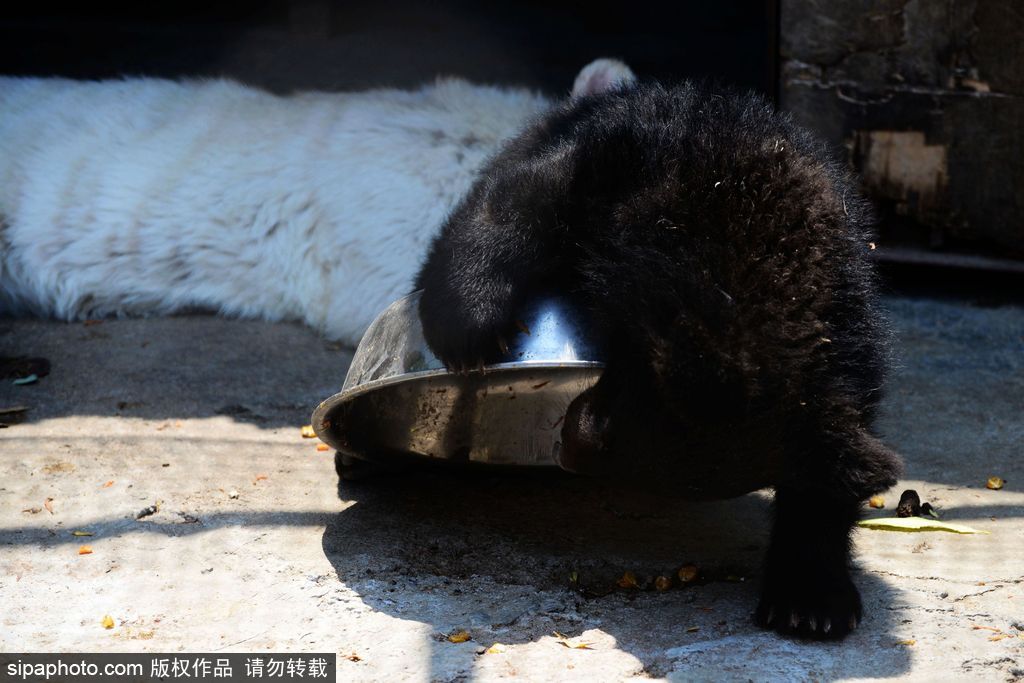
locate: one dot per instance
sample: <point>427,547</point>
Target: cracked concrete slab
<point>255,547</point>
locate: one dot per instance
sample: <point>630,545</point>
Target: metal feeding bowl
<point>399,403</point>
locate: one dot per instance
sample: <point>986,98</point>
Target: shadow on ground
<point>493,555</point>
<point>188,366</point>
<point>497,558</point>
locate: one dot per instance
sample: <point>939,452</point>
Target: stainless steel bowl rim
<point>323,432</point>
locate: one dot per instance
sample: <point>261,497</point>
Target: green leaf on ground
<point>916,524</point>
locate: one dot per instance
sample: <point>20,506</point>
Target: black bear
<point>721,257</point>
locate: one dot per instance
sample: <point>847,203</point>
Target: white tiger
<point>146,196</point>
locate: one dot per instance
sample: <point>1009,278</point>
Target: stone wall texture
<point>926,97</point>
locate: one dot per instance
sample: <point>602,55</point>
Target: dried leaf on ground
<point>572,643</point>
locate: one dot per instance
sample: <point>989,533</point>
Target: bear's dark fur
<point>723,259</point>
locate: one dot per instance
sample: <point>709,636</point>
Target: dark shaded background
<point>285,45</point>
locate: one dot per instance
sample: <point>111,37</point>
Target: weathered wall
<point>927,97</point>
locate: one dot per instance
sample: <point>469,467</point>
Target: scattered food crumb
<point>108,484</point>
<point>81,533</point>
<point>322,447</point>
<point>662,583</point>
<point>232,494</point>
<point>353,657</point>
<point>458,636</point>
<point>48,504</point>
<point>166,464</point>
<point>995,483</point>
<point>85,550</point>
<point>307,432</point>
<point>877,502</point>
<point>259,477</point>
<point>908,642</point>
<point>108,622</point>
<point>627,580</point>
<point>495,649</point>
<point>34,511</point>
<point>688,573</point>
<point>693,629</point>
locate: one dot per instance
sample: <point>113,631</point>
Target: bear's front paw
<point>806,607</point>
<point>464,339</point>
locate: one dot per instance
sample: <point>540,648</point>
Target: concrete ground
<point>254,549</point>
